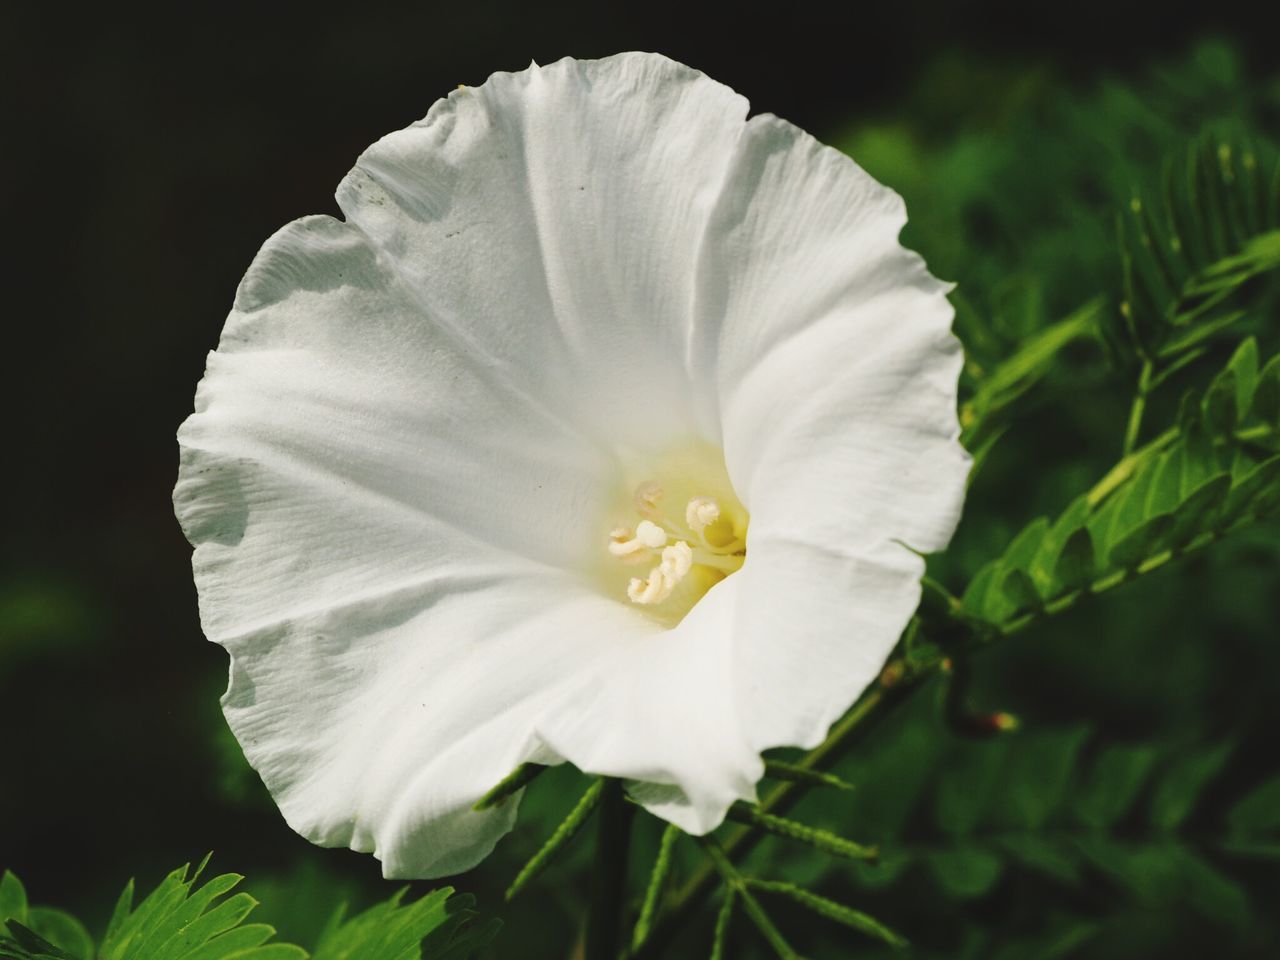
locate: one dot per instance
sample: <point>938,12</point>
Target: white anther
<point>701,513</point>
<point>648,536</point>
<point>677,559</point>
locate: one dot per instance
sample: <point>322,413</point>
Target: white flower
<point>595,433</point>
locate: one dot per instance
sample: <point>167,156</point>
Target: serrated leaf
<point>189,926</point>
<point>175,923</point>
<point>1118,774</point>
<point>394,931</point>
<point>232,943</point>
<point>1179,789</point>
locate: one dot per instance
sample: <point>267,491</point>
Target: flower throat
<point>680,533</point>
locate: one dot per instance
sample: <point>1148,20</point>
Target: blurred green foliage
<point>1132,813</point>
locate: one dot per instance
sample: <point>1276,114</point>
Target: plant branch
<point>1138,408</point>
<point>604,922</point>
<point>737,884</point>
<point>896,684</point>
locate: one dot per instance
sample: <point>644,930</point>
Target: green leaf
<point>1043,854</point>
<point>1244,364</point>
<point>1188,337</point>
<point>1022,551</point>
<point>1257,812</point>
<point>1036,776</point>
<point>1165,491</point>
<point>1020,591</point>
<point>13,898</point>
<point>1266,397</point>
<point>123,907</point>
<point>970,772</point>
<point>983,598</point>
<point>1027,366</point>
<point>1219,404</point>
<point>26,944</point>
<point>62,930</point>
<point>1149,538</point>
<point>175,923</point>
<point>1178,790</point>
<point>1209,891</point>
<point>1200,511</point>
<point>1043,564</point>
<point>432,927</point>
<point>1124,512</point>
<point>1076,562</point>
<point>1118,774</point>
<point>965,872</point>
<point>1246,493</point>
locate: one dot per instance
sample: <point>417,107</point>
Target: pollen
<point>685,523</point>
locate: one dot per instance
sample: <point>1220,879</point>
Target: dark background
<point>147,156</point>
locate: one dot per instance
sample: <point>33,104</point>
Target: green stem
<point>721,864</point>
<point>1139,407</point>
<point>1130,465</point>
<point>604,922</point>
<point>852,728</point>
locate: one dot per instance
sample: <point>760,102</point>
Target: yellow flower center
<point>679,531</point>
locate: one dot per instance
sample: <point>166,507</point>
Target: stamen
<point>689,533</point>
<point>677,560</point>
<point>701,513</point>
<point>648,536</point>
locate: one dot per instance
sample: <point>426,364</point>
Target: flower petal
<point>554,218</point>
<point>388,546</point>
<point>838,377</point>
